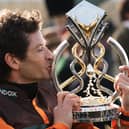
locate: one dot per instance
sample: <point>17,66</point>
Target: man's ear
<point>12,61</point>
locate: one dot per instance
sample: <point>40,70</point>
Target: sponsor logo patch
<point>8,93</point>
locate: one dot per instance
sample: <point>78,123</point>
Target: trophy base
<point>97,113</point>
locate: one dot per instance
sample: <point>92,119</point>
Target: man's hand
<point>121,84</point>
<point>67,102</point>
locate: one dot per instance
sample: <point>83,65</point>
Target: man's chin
<point>45,78</point>
<point>48,78</point>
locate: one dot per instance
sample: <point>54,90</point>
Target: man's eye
<point>40,48</point>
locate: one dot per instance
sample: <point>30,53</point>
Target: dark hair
<point>14,27</point>
<point>124,10</point>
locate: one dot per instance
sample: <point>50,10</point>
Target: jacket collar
<point>20,91</point>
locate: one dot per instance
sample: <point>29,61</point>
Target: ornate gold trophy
<point>86,24</point>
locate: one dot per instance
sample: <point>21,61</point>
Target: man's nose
<point>50,55</point>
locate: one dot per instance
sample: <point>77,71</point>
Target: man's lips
<point>50,68</point>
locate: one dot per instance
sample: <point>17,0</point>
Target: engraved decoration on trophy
<point>86,24</point>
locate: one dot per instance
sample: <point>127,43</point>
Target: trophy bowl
<point>91,82</point>
<point>96,109</point>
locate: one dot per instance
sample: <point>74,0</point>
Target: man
<point>24,61</point>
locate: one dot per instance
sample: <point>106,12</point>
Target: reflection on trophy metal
<point>86,24</point>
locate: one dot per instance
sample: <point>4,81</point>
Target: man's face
<point>38,62</point>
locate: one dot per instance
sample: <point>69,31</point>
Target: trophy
<point>86,24</point>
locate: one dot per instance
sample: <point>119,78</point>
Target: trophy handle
<point>57,53</point>
<point>119,49</point>
<point>123,56</point>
